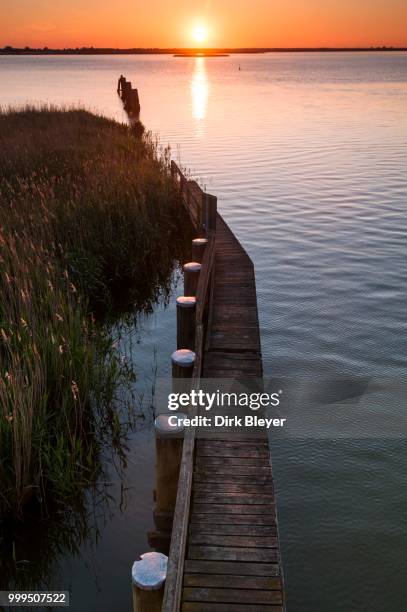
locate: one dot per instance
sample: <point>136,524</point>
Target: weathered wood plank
<point>232,498</point>
<point>229,299</point>
<point>231,529</point>
<point>217,478</point>
<point>239,436</point>
<point>227,581</point>
<point>240,596</point>
<point>234,519</point>
<point>231,373</point>
<point>252,488</point>
<point>233,540</point>
<point>232,356</point>
<point>228,444</point>
<point>240,469</point>
<point>232,434</point>
<point>236,441</point>
<point>235,568</point>
<point>220,433</point>
<point>195,606</point>
<point>239,442</point>
<point>230,461</point>
<point>230,451</point>
<point>236,339</point>
<point>202,508</point>
<point>231,553</point>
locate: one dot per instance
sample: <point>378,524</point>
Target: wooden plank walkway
<point>233,338</point>
<point>232,561</point>
<point>224,554</point>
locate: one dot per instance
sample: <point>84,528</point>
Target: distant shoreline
<point>188,52</point>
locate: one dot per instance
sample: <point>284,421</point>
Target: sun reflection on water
<point>199,89</point>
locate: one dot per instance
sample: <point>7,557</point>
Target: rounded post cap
<point>185,301</point>
<point>183,358</point>
<point>192,266</point>
<point>200,241</point>
<point>150,572</point>
<point>163,426</point>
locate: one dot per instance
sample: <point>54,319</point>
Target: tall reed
<point>87,215</point>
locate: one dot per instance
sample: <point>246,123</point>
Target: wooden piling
<point>191,277</point>
<point>130,98</point>
<point>126,90</point>
<point>186,318</point>
<point>198,249</point>
<point>148,579</point>
<point>169,441</point>
<point>132,102</point>
<point>183,361</point>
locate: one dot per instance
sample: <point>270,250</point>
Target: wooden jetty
<point>224,554</point>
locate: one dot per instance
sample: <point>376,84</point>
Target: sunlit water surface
<point>307,154</point>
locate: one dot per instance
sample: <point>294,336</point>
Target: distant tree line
<point>9,50</point>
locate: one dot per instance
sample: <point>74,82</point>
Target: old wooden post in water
<point>198,249</point>
<point>148,579</point>
<point>130,99</point>
<point>186,319</point>
<point>183,361</point>
<point>169,439</point>
<point>191,277</point>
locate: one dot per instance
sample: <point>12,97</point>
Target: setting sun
<point>200,34</point>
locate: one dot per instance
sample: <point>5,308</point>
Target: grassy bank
<point>87,216</point>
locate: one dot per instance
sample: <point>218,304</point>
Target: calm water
<point>307,154</point>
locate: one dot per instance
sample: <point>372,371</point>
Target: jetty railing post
<point>211,212</point>
<point>182,186</point>
<point>186,320</point>
<point>148,580</point>
<point>202,219</point>
<point>192,271</point>
<point>198,249</point>
<point>188,194</point>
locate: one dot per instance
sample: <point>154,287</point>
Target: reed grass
<point>87,215</point>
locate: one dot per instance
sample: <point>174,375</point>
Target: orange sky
<point>230,23</point>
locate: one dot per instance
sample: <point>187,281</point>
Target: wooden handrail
<point>204,279</point>
<point>201,206</point>
<point>175,570</point>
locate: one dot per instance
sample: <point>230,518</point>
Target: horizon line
<point>9,49</point>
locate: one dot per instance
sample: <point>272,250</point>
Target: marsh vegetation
<point>89,223</point>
